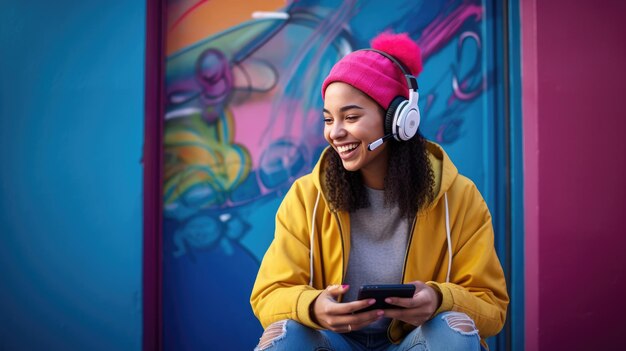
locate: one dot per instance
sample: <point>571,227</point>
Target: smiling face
<point>352,121</point>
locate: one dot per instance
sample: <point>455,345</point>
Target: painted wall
<point>71,133</point>
<point>242,122</point>
<point>573,81</point>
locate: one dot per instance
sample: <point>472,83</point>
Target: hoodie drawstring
<point>312,242</point>
<point>445,198</point>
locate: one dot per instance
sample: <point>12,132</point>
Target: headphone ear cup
<point>390,115</point>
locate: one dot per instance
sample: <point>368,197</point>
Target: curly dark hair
<point>409,182</point>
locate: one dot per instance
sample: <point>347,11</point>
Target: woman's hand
<point>417,309</point>
<point>340,317</point>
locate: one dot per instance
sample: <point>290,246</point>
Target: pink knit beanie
<point>376,75</point>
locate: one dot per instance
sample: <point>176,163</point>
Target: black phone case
<point>382,291</point>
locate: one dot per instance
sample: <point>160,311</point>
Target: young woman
<point>380,211</point>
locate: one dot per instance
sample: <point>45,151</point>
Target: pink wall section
<point>528,11</point>
<point>575,172</point>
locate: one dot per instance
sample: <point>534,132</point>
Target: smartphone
<point>382,291</point>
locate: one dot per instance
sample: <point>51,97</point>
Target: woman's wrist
<point>312,312</point>
<point>438,300</point>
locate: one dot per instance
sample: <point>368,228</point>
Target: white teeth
<point>347,148</point>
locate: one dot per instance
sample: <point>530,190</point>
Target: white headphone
<point>402,118</point>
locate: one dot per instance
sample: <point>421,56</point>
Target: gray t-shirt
<point>378,242</point>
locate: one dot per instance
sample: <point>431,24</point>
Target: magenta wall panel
<point>573,77</point>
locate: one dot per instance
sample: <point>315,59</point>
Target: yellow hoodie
<point>287,283</point>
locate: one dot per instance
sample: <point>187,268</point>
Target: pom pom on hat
<point>402,48</point>
<point>376,75</point>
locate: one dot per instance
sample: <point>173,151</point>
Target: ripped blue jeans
<point>447,331</point>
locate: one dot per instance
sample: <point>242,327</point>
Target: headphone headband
<point>411,81</point>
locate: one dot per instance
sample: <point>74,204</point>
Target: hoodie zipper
<point>406,256</point>
<point>408,246</point>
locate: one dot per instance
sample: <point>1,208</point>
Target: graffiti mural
<point>243,121</point>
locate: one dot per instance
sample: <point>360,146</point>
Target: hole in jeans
<point>273,333</point>
<point>460,322</point>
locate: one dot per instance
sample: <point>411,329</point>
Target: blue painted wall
<point>71,134</point>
